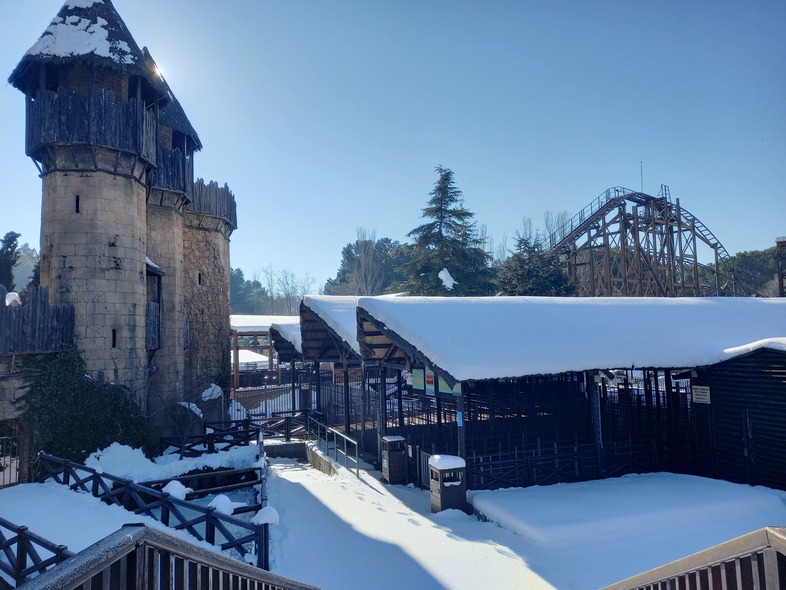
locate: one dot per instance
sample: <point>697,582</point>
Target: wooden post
<point>462,436</point>
<point>400,401</point>
<point>383,401</point>
<point>235,360</point>
<point>363,398</point>
<point>293,375</point>
<point>346,397</point>
<point>318,386</point>
<point>592,379</point>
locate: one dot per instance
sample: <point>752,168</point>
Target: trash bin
<point>394,459</point>
<point>447,482</point>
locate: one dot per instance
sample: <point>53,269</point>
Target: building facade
<point>127,237</point>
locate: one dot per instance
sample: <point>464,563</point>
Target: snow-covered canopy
<point>497,337</point>
<point>255,324</point>
<point>289,329</point>
<point>336,314</point>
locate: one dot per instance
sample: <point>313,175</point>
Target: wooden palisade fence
<point>66,117</point>
<point>35,327</point>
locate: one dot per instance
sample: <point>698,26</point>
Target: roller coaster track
<point>586,228</point>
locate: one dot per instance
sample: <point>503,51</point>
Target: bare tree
<point>556,223</point>
<point>367,276</point>
<point>288,291</point>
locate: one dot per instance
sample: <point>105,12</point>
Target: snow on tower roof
<point>497,337</point>
<point>92,31</point>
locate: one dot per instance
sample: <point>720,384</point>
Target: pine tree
<point>9,256</point>
<point>448,240</point>
<point>530,271</point>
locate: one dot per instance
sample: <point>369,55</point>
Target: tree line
<point>448,254</point>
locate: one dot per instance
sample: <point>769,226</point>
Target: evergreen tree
<point>448,240</point>
<point>247,297</point>
<point>8,259</point>
<point>530,271</point>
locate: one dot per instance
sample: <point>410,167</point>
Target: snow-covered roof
<point>248,356</point>
<point>497,337</point>
<point>339,314</point>
<point>254,324</point>
<point>290,331</point>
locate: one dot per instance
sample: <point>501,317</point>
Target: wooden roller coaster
<point>627,243</point>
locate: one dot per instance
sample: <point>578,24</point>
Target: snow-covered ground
<point>341,532</point>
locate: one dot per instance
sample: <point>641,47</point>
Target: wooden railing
<point>25,555</point>
<point>756,560</point>
<point>203,523</point>
<point>210,442</point>
<point>144,558</point>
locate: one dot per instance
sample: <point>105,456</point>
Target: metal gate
<point>9,460</point>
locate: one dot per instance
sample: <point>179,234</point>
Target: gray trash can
<point>394,459</point>
<point>447,482</point>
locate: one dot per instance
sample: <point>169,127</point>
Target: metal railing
<point>144,558</point>
<point>9,460</point>
<point>202,522</point>
<point>756,560</point>
<point>324,432</point>
<point>25,555</point>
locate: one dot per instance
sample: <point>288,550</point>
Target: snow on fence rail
<point>249,540</point>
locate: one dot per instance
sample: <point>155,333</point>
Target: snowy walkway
<point>339,532</point>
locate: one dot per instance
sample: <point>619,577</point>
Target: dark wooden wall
<point>741,434</point>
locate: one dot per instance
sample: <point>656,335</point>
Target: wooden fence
<point>204,523</point>
<point>143,558</point>
<point>756,560</point>
<point>36,326</point>
<point>25,555</point>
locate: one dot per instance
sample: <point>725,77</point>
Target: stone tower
<point>116,156</point>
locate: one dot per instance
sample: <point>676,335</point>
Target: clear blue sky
<point>325,116</point>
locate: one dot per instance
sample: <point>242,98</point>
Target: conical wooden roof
<point>87,31</point>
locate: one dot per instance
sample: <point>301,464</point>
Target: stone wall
<point>165,250</point>
<point>93,256</point>
<point>206,282</point>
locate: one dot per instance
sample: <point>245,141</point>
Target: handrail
<point>20,552</point>
<point>752,558</point>
<point>138,556</point>
<point>336,435</point>
<point>204,523</point>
